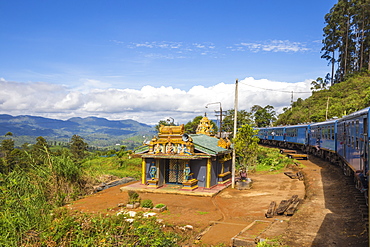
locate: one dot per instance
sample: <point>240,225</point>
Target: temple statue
<point>205,127</point>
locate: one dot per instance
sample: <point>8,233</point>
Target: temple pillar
<point>209,164</point>
<point>143,171</point>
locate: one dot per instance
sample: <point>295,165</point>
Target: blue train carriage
<point>272,135</point>
<point>296,136</point>
<point>262,133</point>
<point>353,146</point>
<point>322,139</point>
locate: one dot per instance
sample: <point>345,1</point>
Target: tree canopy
<point>263,116</point>
<point>78,147</point>
<point>246,145</point>
<point>346,41</point>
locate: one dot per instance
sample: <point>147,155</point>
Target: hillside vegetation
<point>339,100</point>
<point>98,132</point>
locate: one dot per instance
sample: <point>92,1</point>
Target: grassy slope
<point>342,99</point>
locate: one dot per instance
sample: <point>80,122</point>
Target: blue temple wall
<point>199,170</point>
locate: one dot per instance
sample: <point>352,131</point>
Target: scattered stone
<point>149,214</point>
<point>131,213</point>
<point>160,220</point>
<point>189,227</point>
<point>244,185</point>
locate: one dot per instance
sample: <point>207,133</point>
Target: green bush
<point>147,203</point>
<point>270,159</point>
<point>133,197</point>
<point>160,205</point>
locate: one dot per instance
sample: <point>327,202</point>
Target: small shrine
<point>205,127</point>
<point>189,160</point>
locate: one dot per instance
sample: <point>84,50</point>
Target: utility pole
<point>327,109</point>
<point>220,129</point>
<point>291,100</point>
<point>235,126</point>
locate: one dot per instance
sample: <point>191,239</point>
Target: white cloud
<point>271,46</point>
<point>155,44</point>
<point>147,105</point>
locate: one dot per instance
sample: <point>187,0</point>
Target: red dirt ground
<point>329,215</point>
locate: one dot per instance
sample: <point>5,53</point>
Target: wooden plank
<point>294,198</point>
<point>271,210</point>
<point>297,156</point>
<point>292,207</point>
<point>288,151</point>
<point>300,176</point>
<point>291,175</point>
<point>284,204</point>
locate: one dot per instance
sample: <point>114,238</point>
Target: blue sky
<point>147,60</point>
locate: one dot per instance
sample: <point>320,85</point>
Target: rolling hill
<point>96,131</point>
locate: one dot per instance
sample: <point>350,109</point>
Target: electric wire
<point>274,90</point>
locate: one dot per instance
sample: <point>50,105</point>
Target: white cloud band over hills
<point>147,105</point>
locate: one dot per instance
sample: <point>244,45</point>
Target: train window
<point>349,140</point>
<point>356,142</point>
<point>332,133</point>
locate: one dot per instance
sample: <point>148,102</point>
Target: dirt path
<point>329,215</point>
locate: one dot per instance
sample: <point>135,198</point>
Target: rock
<point>131,213</point>
<point>130,220</point>
<point>244,185</point>
<point>147,214</point>
<point>189,227</point>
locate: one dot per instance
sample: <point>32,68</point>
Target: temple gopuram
<point>191,160</point>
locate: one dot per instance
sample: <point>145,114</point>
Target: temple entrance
<point>175,171</point>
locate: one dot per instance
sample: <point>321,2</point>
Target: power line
<point>269,89</point>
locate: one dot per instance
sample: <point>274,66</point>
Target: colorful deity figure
<point>186,150</point>
<point>187,172</point>
<point>169,148</point>
<point>153,171</point>
<point>179,148</point>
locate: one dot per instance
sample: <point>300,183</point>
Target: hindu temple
<point>190,160</point>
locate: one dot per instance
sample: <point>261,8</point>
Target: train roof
<point>356,114</point>
<point>284,126</point>
<point>296,126</point>
<point>331,121</point>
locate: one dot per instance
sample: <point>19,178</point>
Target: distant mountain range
<point>95,130</point>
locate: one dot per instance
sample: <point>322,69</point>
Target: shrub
<point>147,203</point>
<point>133,197</point>
<point>160,205</point>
